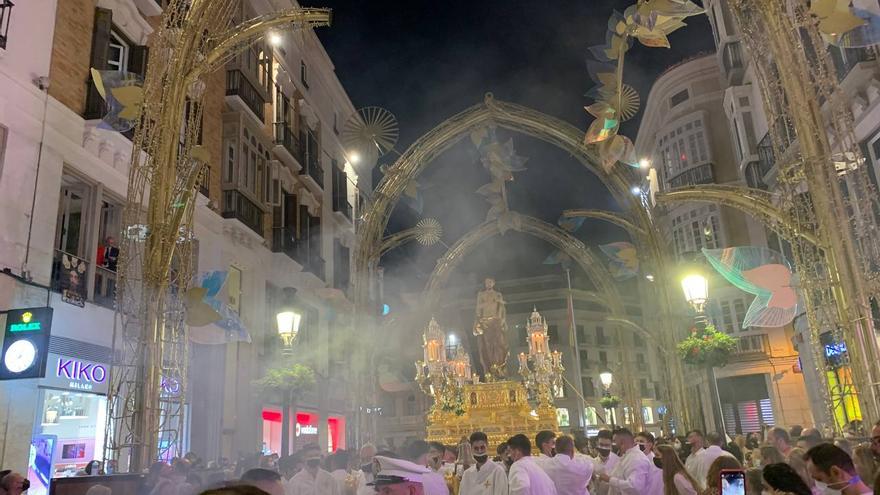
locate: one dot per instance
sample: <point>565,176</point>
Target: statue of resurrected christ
<point>490,327</point>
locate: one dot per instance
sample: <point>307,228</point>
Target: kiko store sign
<point>77,374</point>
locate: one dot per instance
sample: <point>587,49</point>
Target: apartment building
<point>689,140</point>
<point>277,210</point>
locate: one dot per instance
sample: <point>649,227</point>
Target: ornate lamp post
<point>696,292</point>
<point>607,378</point>
<point>288,319</point>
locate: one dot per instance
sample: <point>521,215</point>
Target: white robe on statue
<point>304,483</point>
<point>490,479</point>
<point>527,478</point>
<point>571,476</point>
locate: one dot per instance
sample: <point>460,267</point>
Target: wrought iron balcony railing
<point>237,205</point>
<point>286,138</point>
<point>237,84</point>
<point>701,174</point>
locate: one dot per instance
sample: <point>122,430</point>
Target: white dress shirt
<point>604,467</point>
<point>707,457</point>
<point>490,479</point>
<point>631,476</point>
<point>683,486</point>
<point>303,483</point>
<point>570,475</point>
<point>434,484</point>
<point>527,478</point>
<point>692,463</point>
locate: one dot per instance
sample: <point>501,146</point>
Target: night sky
<point>425,61</point>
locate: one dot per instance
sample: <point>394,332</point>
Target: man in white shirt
<point>347,480</point>
<point>312,480</point>
<point>631,476</point>
<point>485,477</point>
<point>605,462</point>
<point>569,473</point>
<point>708,456</point>
<point>526,477</point>
<point>645,442</point>
<point>422,454</point>
<point>695,439</point>
<point>545,440</point>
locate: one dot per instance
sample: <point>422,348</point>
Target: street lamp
<point>606,378</point>
<point>696,292</point>
<point>288,318</point>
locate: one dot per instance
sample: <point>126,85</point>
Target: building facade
<point>276,210</point>
<point>600,347</point>
<point>689,140</point>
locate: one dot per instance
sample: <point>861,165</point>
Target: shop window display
<point>77,421</point>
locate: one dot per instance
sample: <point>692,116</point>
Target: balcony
<point>752,347</point>
<point>205,182</point>
<point>238,206</point>
<point>341,205</point>
<point>284,241</point>
<point>311,160</point>
<point>314,170</point>
<point>846,59</point>
<point>287,146</point>
<point>105,287</point>
<point>315,265</point>
<point>701,174</point>
<point>237,84</point>
<point>732,60</point>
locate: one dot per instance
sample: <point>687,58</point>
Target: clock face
<point>20,356</point>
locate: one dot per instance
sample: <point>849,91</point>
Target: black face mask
<point>313,463</point>
<point>508,462</point>
<point>481,458</point>
<point>642,447</point>
<point>658,462</point>
<point>604,452</point>
<point>25,485</point>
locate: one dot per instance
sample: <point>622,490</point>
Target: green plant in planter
<point>285,381</point>
<point>707,347</point>
<point>609,401</point>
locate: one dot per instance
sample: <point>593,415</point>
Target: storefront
<point>306,431</point>
<point>71,419</point>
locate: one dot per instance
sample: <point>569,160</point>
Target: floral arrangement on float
<point>706,347</point>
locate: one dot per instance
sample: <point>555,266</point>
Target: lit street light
<point>606,378</point>
<point>288,318</point>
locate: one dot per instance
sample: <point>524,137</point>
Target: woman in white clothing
<point>676,479</point>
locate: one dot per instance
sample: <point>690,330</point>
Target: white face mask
<point>827,490</point>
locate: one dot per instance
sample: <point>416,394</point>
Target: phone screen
<point>733,482</point>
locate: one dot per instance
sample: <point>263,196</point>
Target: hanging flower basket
<point>609,401</point>
<point>707,347</point>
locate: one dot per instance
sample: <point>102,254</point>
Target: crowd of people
<point>781,461</point>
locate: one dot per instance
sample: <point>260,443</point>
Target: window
<point>603,357</point>
<point>562,417</point>
<point>553,334</point>
<point>628,417</point>
<point>589,388</point>
<point>643,388</point>
<point>581,334</point>
<point>117,53</point>
<point>678,98</point>
<point>641,365</point>
<point>585,359</point>
<point>304,74</point>
<point>233,289</point>
<point>411,406</point>
<point>591,415</point>
<point>647,415</point>
<point>600,336</point>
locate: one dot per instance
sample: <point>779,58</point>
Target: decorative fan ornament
<point>624,259</point>
<point>429,231</point>
<point>371,127</point>
<point>629,102</point>
<point>764,273</point>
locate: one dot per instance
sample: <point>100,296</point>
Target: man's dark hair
<point>715,438</point>
<point>647,435</point>
<point>544,436</point>
<point>520,442</point>
<point>606,434</point>
<point>439,447</point>
<point>698,432</point>
<point>581,442</point>
<point>779,432</point>
<point>734,449</point>
<point>624,431</point>
<point>341,459</point>
<point>795,431</point>
<point>260,474</point>
<point>784,479</point>
<point>235,490</point>
<point>826,455</point>
<point>501,447</point>
<point>564,443</point>
<point>478,436</point>
<point>418,448</point>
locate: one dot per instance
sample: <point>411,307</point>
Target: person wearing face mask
<point>631,476</point>
<point>526,477</point>
<point>569,473</point>
<point>15,484</point>
<point>695,440</point>
<point>833,470</point>
<point>485,477</point>
<point>708,456</point>
<point>423,454</point>
<point>782,478</point>
<point>604,463</point>
<point>312,480</point>
<point>645,441</point>
<point>546,442</point>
